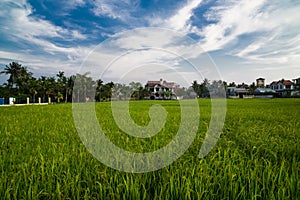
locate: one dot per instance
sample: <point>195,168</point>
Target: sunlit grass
<point>257,156</point>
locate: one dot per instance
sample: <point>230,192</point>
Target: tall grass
<point>257,156</point>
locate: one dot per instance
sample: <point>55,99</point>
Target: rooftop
<point>161,83</point>
<point>284,82</point>
<point>153,83</point>
<point>264,90</point>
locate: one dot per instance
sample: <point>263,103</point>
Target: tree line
<point>22,84</point>
<point>61,88</point>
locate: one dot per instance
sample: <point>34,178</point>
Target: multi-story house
<point>282,87</point>
<point>161,89</point>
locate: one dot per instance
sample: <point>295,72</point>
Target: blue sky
<point>245,39</point>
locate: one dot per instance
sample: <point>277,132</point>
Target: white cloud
<point>71,4</point>
<point>272,49</point>
<point>139,38</point>
<point>260,34</point>
<point>77,35</point>
<point>116,9</point>
<point>68,60</point>
<point>180,20</point>
<point>263,34</point>
<point>234,19</point>
<point>281,45</point>
<point>18,23</point>
<point>135,53</point>
<point>65,6</point>
<point>35,34</point>
<point>274,26</point>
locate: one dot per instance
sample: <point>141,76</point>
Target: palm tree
<point>232,84</point>
<point>42,86</point>
<point>84,88</point>
<point>196,88</point>
<point>69,87</point>
<point>99,85</point>
<point>33,88</point>
<point>18,82</point>
<point>14,70</point>
<point>62,84</point>
<point>110,87</point>
<point>107,89</point>
<point>204,88</point>
<point>50,87</point>
<point>59,96</point>
<point>23,81</point>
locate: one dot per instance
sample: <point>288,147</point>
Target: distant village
<point>23,88</point>
<point>280,88</point>
<point>277,89</point>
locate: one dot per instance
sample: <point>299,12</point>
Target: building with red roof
<point>282,87</point>
<point>161,89</point>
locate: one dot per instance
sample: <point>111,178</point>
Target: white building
<point>161,89</point>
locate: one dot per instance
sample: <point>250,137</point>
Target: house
<point>264,93</point>
<point>260,82</point>
<point>234,92</point>
<point>296,83</point>
<point>161,89</point>
<point>282,87</point>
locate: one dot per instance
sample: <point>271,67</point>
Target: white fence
<point>24,101</point>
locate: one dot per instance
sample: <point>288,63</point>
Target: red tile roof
<point>285,82</point>
<point>153,83</point>
<point>163,84</point>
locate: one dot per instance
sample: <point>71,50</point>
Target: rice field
<point>257,156</point>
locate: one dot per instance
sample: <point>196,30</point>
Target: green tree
<point>217,89</point>
<point>225,85</point>
<point>18,80</point>
<point>99,85</point>
<point>197,88</point>
<point>84,88</point>
<point>168,94</point>
<point>42,85</point>
<point>13,70</point>
<point>69,88</point>
<point>62,85</point>
<point>204,92</point>
<point>252,87</point>
<point>136,90</point>
<point>232,84</point>
<point>59,96</point>
<point>121,92</point>
<point>23,77</point>
<point>107,90</point>
<point>33,88</point>
<point>50,87</point>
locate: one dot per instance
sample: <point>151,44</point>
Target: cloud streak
<point>35,34</point>
<point>256,34</point>
<point>181,20</point>
<point>267,22</point>
<point>115,9</point>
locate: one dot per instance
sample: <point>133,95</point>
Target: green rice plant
<point>256,157</point>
